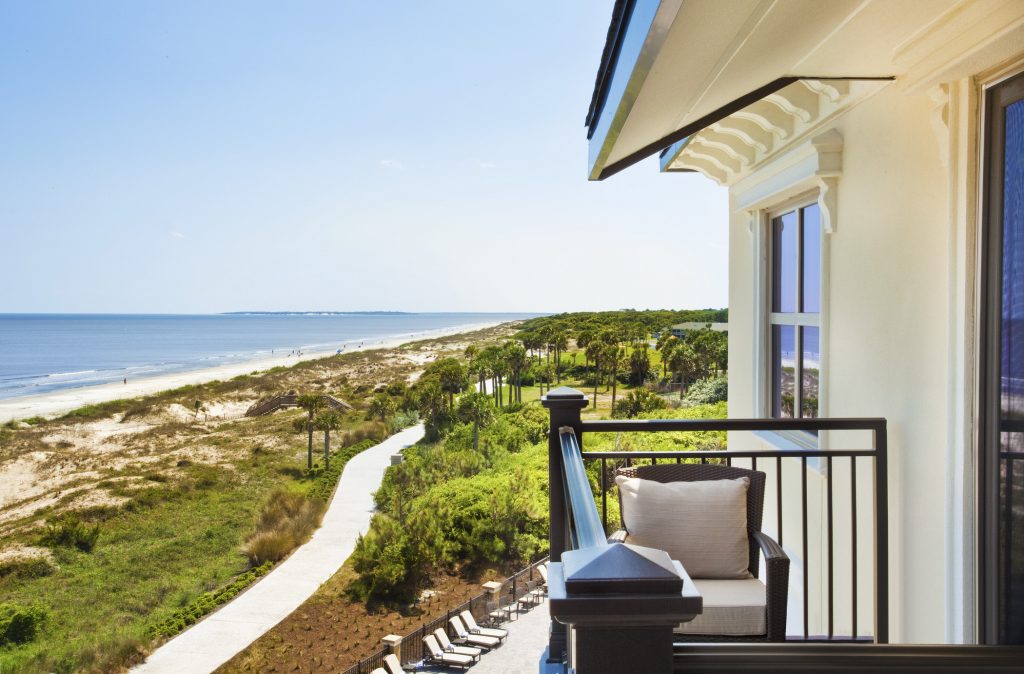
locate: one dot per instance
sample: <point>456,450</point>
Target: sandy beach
<point>59,402</point>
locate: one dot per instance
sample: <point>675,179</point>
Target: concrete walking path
<point>216,639</point>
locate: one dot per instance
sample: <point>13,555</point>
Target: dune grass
<point>165,540</point>
<point>157,555</point>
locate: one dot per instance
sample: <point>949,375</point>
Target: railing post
<point>621,603</point>
<point>564,405</point>
<point>881,534</point>
<point>394,643</point>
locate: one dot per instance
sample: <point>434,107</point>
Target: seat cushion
<point>702,524</point>
<point>731,608</point>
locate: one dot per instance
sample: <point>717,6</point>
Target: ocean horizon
<point>43,353</point>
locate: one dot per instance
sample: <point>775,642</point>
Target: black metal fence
<point>413,649</point>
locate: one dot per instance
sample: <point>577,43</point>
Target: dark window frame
<point>997,98</point>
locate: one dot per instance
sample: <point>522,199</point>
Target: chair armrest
<point>776,583</point>
<point>618,537</point>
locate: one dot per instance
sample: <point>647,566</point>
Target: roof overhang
<point>672,68</point>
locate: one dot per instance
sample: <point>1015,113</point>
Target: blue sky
<point>421,156</point>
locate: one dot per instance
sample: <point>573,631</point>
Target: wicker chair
<point>776,561</point>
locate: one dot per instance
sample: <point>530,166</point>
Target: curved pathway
<point>217,638</point>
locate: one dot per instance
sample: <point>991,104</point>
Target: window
<point>795,292</point>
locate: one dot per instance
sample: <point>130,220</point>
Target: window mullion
<point>798,372</point>
<point>799,260</point>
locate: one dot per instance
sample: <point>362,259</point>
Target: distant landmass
<point>316,313</point>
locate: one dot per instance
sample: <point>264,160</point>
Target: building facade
<point>873,153</point>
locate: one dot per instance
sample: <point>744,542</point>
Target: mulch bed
<point>330,632</point>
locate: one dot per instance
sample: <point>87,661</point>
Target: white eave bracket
<point>816,164</point>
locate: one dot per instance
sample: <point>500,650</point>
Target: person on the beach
<point>126,381</point>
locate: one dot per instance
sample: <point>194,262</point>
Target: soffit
<point>718,52</point>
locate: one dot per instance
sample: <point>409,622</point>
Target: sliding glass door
<point>1002,396</point>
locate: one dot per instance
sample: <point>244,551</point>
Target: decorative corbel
<point>939,95</point>
<point>828,196</point>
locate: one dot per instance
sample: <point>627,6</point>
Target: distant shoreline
<point>316,313</point>
<point>59,402</point>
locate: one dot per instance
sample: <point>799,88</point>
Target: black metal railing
<point>824,463</point>
<point>838,473</point>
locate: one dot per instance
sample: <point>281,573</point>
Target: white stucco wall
<point>888,324</point>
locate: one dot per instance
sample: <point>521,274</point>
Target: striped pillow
<point>701,524</point>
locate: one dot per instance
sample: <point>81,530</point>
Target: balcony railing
<point>828,506</point>
<point>833,548</point>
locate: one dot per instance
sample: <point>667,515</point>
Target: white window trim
<point>794,178</point>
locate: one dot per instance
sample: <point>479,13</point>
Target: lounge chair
<point>473,628</point>
<point>464,637</point>
<point>540,590</point>
<point>437,656</point>
<point>448,647</point>
<point>392,664</point>
<point>499,611</point>
<point>524,599</point>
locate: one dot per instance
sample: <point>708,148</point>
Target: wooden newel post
<point>564,405</point>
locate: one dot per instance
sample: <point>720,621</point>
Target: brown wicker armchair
<point>776,585</point>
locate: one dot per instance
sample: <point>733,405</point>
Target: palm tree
<point>613,356</point>
<point>515,356</point>
<point>432,404</point>
<point>667,343</point>
<point>639,364</point>
<point>595,351</point>
<point>328,421</point>
<point>489,358</point>
<point>683,363</point>
<point>452,376</point>
<point>560,340</point>
<point>312,403</point>
<point>381,407</point>
<point>478,408</point>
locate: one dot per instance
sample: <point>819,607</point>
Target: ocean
<point>40,353</point>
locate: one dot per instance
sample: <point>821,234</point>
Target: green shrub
<point>403,419</point>
<point>26,567</point>
<point>70,532</point>
<point>148,497</point>
<point>375,431</point>
<point>707,391</point>
<point>137,409</point>
<point>20,624</point>
<point>448,506</point>
<point>83,412</point>
<point>638,401</point>
<point>287,519</point>
<point>205,603</point>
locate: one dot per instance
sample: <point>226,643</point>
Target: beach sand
<point>59,402</point>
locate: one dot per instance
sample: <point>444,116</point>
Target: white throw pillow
<point>702,524</point>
